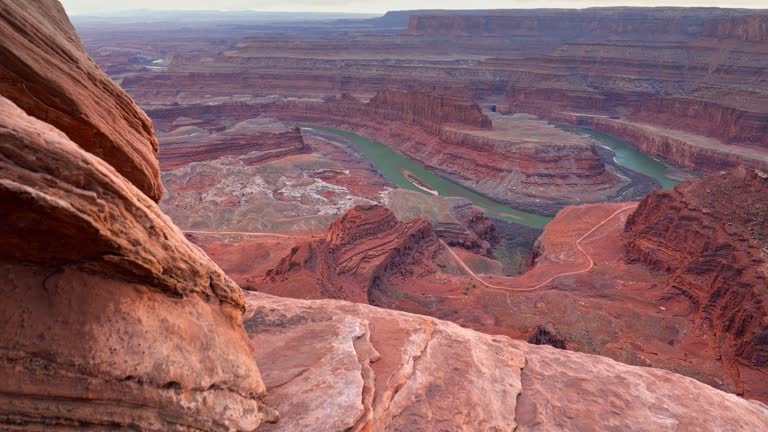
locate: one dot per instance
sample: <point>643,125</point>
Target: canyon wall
<point>734,117</point>
<point>709,235</point>
<point>749,28</point>
<point>261,139</point>
<point>567,24</point>
<point>541,174</point>
<point>698,71</point>
<point>427,110</point>
<point>111,319</point>
<point>694,152</point>
<point>506,162</point>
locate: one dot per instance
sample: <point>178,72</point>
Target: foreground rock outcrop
<point>110,318</point>
<point>45,70</point>
<point>710,237</point>
<point>106,305</point>
<point>337,366</point>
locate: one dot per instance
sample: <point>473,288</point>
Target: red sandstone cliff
<point>590,23</point>
<point>261,139</point>
<point>753,28</point>
<point>732,116</point>
<point>360,252</point>
<point>694,152</point>
<point>710,237</point>
<point>109,315</point>
<point>47,73</point>
<point>428,110</point>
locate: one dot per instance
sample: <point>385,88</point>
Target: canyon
<point>689,87</point>
<point>449,135</point>
<point>231,265</point>
<point>472,97</point>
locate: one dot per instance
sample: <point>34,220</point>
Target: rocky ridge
<point>361,251</point>
<point>714,248</point>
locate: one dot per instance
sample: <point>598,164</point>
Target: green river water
<point>393,166</point>
<point>632,158</point>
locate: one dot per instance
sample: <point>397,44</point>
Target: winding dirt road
<point>458,259</point>
<point>252,234</point>
<point>535,287</point>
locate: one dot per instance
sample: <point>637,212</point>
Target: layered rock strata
<point>506,163</point>
<point>695,71</point>
<point>110,317</point>
<point>428,110</point>
<point>88,257</point>
<point>261,138</point>
<point>694,152</point>
<point>160,343</point>
<point>277,180</point>
<point>748,28</point>
<point>361,251</point>
<point>47,73</point>
<point>710,237</point>
<point>478,233</point>
<point>564,24</point>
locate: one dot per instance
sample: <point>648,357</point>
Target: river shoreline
<point>531,214</point>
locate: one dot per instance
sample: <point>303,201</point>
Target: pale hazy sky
<point>79,7</point>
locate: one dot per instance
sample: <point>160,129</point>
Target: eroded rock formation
<point>47,73</point>
<point>710,237</point>
<point>579,293</point>
<point>361,251</point>
<point>111,319</point>
<point>506,162</point>
<point>261,139</point>
<point>110,316</point>
<point>476,231</point>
